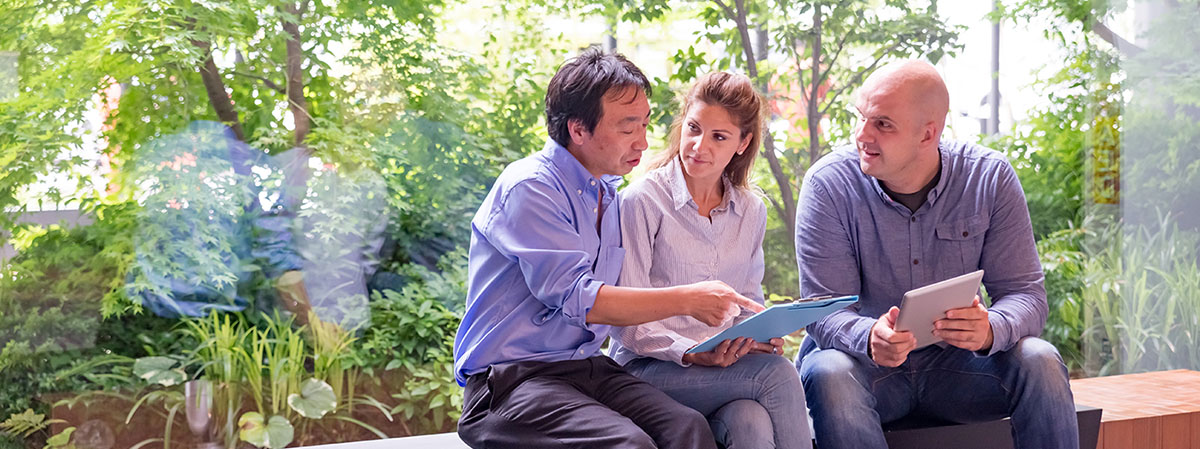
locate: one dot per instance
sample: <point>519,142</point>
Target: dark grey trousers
<point>589,403</point>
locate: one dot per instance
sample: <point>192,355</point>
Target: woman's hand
<point>775,346</point>
<point>729,352</point>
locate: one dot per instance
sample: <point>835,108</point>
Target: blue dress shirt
<point>853,239</point>
<point>536,262</point>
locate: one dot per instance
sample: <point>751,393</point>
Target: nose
<point>697,143</point>
<point>861,132</point>
<point>641,144</point>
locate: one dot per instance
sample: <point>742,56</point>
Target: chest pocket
<point>964,238</point>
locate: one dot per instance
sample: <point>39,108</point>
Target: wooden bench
<point>1159,410</point>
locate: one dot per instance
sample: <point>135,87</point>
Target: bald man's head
<point>916,83</point>
<point>903,109</point>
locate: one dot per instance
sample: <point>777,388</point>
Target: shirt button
<point>964,233</point>
<point>581,351</point>
<point>594,210</point>
<point>579,191</point>
<point>593,182</point>
<point>915,261</point>
<point>914,219</point>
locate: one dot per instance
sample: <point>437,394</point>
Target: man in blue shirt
<point>901,209</point>
<point>544,258</point>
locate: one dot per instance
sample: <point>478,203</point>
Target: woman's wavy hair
<point>747,109</point>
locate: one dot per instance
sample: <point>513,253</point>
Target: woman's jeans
<point>758,402</point>
<point>849,397</point>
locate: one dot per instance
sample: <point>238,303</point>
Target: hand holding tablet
<point>921,308</point>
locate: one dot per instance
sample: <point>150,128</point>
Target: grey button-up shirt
<point>852,239</point>
<point>667,242</point>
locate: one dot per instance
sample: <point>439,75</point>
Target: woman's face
<point>708,140</point>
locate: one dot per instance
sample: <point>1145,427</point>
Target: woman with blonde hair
<point>697,216</point>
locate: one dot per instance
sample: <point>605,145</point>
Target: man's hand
<point>966,328</point>
<point>729,352</point>
<point>714,303</point>
<point>888,347</point>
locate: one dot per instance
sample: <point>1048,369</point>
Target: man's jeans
<point>756,403</point>
<point>850,398</point>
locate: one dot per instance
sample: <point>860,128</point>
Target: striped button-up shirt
<point>667,242</point>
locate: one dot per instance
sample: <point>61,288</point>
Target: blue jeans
<point>850,398</point>
<point>758,402</point>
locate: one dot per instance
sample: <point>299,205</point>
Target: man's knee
<point>1039,363</point>
<point>827,368</point>
<point>1037,356</point>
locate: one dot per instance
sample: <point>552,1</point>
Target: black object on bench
<point>914,432</point>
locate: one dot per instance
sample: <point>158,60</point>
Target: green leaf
<point>62,439</point>
<point>275,433</point>
<point>314,400</point>
<point>159,370</point>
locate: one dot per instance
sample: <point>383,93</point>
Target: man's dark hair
<point>577,90</point>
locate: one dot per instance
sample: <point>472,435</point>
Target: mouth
<point>866,153</point>
<point>694,160</point>
<point>634,161</point>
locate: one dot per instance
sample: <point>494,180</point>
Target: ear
<point>744,144</point>
<point>929,134</point>
<point>577,131</point>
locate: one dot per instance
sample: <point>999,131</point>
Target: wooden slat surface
<point>1159,410</point>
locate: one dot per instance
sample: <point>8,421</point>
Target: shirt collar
<point>944,158</point>
<point>680,196</point>
<point>574,173</point>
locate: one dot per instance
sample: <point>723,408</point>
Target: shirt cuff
<point>1001,335</point>
<point>679,347</point>
<point>577,306</point>
<point>860,332</point>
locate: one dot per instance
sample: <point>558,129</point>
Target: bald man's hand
<point>888,346</point>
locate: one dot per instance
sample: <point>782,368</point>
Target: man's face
<point>888,135</point>
<point>615,146</point>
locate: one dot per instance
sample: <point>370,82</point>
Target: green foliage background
<point>403,128</point>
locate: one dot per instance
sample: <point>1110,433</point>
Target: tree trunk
<point>217,96</point>
<point>814,112</point>
<point>786,209</point>
<point>296,170</point>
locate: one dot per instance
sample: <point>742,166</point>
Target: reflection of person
<point>210,237</point>
<point>903,209</point>
<point>544,259</point>
<point>695,217</point>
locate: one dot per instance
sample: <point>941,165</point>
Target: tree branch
<point>857,78</point>
<point>266,82</point>
<point>1123,46</point>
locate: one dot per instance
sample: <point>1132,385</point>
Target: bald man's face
<point>892,136</point>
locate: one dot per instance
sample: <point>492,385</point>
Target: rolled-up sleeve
<point>827,263</point>
<point>1012,272</point>
<point>533,227</point>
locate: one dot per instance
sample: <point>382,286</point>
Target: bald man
<point>900,209</point>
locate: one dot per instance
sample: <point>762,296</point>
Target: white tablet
<point>922,306</point>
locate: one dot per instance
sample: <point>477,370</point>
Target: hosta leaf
<point>314,400</point>
<point>159,370</point>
